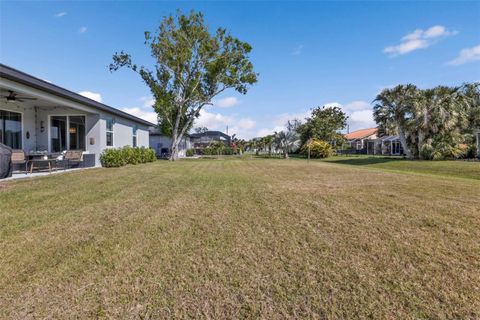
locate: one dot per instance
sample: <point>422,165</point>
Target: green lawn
<point>245,238</point>
<point>464,169</point>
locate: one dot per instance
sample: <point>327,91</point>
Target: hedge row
<point>118,157</point>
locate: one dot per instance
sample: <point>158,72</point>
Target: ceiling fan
<point>13,96</point>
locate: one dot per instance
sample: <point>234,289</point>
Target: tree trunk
<point>403,141</point>
<point>422,134</point>
<point>421,140</point>
<point>176,138</point>
<point>285,155</point>
<point>174,149</point>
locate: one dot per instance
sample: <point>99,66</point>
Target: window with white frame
<point>109,132</point>
<point>134,135</point>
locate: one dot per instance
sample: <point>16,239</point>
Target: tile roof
<point>359,134</point>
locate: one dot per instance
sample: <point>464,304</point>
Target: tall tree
<point>268,141</point>
<point>192,67</point>
<point>324,124</point>
<point>393,112</point>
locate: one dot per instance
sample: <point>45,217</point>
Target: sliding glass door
<point>11,129</point>
<point>67,133</point>
<point>76,131</point>
<point>58,133</point>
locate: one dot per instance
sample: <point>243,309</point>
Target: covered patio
<point>42,130</point>
<point>43,122</point>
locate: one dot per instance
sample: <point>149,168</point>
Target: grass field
<point>240,239</point>
<point>458,168</point>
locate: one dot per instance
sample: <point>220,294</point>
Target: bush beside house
<point>118,157</point>
<point>190,152</point>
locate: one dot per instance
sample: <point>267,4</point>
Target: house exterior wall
<point>361,143</point>
<point>158,142</point>
<point>95,121</point>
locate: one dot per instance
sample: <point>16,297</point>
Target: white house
<point>162,144</point>
<point>36,115</point>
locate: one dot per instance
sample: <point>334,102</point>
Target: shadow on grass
<point>363,161</point>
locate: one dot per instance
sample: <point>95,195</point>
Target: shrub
<point>190,152</point>
<point>112,158</point>
<point>117,157</point>
<point>318,149</point>
<point>228,151</point>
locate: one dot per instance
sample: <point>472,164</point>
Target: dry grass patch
<point>240,239</point>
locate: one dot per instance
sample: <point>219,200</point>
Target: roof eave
<point>29,80</point>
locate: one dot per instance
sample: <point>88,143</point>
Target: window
<point>134,135</point>
<point>67,133</point>
<point>109,132</point>
<point>11,129</point>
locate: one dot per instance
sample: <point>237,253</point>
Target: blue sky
<point>307,53</point>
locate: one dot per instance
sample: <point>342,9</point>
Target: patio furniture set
<point>46,160</point>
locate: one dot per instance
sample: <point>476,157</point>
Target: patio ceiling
<point>29,104</point>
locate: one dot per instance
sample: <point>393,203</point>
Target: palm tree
<point>268,141</point>
<point>286,141</point>
<point>393,111</point>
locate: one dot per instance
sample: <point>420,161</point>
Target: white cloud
<point>91,95</point>
<point>357,105</point>
<point>361,120</point>
<point>279,122</point>
<point>419,39</point>
<point>282,119</point>
<point>60,14</point>
<point>437,31</point>
<point>213,121</point>
<point>360,115</point>
<point>265,132</point>
<point>246,123</point>
<point>147,102</point>
<point>298,50</point>
<point>227,102</point>
<point>467,55</point>
<point>244,128</point>
<point>82,30</point>
<point>145,115</point>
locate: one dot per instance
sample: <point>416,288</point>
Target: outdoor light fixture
<point>42,126</point>
<point>72,130</point>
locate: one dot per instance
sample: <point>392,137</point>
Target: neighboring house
<point>36,115</point>
<point>362,139</point>
<point>202,140</point>
<point>162,144</point>
<point>388,146</point>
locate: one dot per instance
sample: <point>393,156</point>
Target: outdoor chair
<point>72,157</point>
<point>19,159</point>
